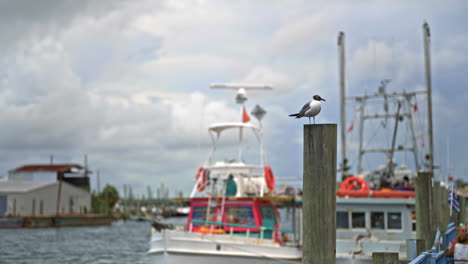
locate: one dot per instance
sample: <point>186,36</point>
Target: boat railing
<point>437,253</point>
<point>438,243</point>
<point>450,234</point>
<point>231,226</point>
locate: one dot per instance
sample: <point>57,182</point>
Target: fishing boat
<point>375,209</point>
<point>233,216</point>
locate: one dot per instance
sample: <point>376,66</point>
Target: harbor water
<point>120,243</point>
<point>124,242</point>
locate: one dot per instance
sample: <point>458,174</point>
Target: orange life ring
<point>354,183</point>
<point>201,183</point>
<point>376,194</point>
<point>269,177</point>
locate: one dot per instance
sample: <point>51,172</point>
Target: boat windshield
<point>199,213</point>
<point>268,214</point>
<point>240,215</point>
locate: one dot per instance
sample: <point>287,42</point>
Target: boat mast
<point>383,95</point>
<point>361,135</point>
<point>392,149</point>
<point>241,97</point>
<point>413,135</point>
<point>427,60</point>
<point>341,46</point>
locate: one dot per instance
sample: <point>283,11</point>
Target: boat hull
<point>171,246</point>
<point>177,258</point>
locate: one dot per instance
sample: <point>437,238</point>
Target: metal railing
<point>249,228</point>
<point>437,253</point>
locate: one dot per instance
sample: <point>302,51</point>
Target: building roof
<point>22,186</point>
<point>68,168</point>
<point>462,192</point>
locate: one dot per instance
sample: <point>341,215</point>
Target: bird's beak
<point>322,99</point>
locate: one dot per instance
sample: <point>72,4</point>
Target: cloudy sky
<point>127,82</point>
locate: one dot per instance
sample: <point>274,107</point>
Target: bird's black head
<point>318,98</point>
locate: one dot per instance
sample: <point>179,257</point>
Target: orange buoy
<point>354,183</point>
<point>269,177</point>
<point>375,194</point>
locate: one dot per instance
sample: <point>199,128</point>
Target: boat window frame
<point>413,221</point>
<point>275,213</point>
<point>203,204</point>
<point>347,212</point>
<point>255,214</point>
<point>401,221</point>
<point>384,220</point>
<point>365,219</point>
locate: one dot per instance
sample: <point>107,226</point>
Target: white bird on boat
<point>310,109</point>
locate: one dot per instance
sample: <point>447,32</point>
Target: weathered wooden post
<point>385,258</point>
<point>423,216</point>
<point>462,209</point>
<point>445,206</point>
<point>319,198</point>
<point>439,202</point>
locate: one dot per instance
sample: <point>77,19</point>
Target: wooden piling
<point>462,209</point>
<point>439,202</point>
<point>424,229</point>
<point>445,206</point>
<point>420,244</point>
<point>385,258</point>
<point>319,194</point>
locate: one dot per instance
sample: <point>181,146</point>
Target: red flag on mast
<point>351,127</point>
<point>245,116</point>
<point>415,106</point>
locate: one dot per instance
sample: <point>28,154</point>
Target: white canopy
<point>219,127</point>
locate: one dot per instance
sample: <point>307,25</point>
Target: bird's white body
<point>310,109</point>
<point>314,109</point>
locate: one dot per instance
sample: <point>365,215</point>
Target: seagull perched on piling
<point>310,109</point>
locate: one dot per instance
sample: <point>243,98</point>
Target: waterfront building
<point>45,189</point>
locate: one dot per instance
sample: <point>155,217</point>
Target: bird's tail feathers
<point>294,114</point>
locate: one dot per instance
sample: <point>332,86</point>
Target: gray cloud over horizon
<point>127,83</point>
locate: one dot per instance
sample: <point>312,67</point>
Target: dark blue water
<point>123,242</point>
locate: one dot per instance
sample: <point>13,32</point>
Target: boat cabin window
<point>240,215</point>
<point>268,214</point>
<point>377,220</point>
<point>358,220</point>
<point>199,213</point>
<point>342,220</point>
<point>394,220</point>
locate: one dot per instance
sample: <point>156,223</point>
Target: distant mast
<point>341,46</point>
<point>427,59</point>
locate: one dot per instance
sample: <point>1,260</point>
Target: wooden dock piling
<point>424,229</point>
<point>385,258</point>
<point>438,201</point>
<point>319,198</point>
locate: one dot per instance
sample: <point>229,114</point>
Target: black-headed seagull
<point>310,109</point>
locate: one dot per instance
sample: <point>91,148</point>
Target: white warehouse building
<point>25,195</point>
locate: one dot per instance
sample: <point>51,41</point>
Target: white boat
<point>226,226</point>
